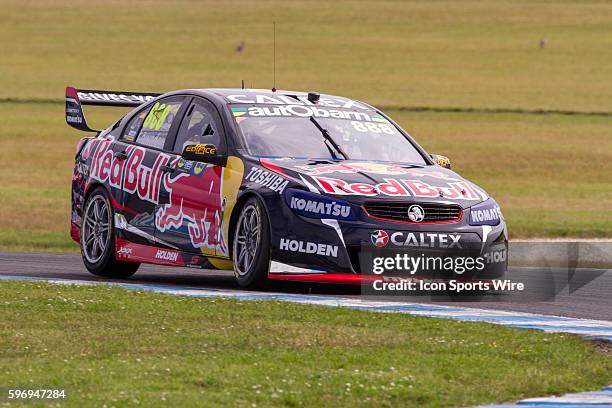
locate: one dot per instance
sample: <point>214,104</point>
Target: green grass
<point>111,346</point>
<point>36,241</point>
<point>551,173</point>
<point>468,54</point>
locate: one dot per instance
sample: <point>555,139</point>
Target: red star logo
<point>379,238</point>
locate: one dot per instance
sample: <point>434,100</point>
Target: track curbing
<point>587,328</point>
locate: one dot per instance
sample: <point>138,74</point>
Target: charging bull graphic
<point>195,192</point>
<point>371,168</point>
<point>195,200</point>
<point>354,167</point>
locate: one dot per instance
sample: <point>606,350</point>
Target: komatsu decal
<point>318,206</point>
<point>491,214</point>
<point>486,213</point>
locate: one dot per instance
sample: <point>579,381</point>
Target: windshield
<point>322,133</point>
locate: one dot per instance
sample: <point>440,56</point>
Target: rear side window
<point>132,128</point>
<point>151,126</point>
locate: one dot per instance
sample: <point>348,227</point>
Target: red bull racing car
<point>272,184</point>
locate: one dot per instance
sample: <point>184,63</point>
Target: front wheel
<point>251,245</point>
<point>97,239</point>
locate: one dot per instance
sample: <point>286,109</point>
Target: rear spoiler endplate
<point>76,98</point>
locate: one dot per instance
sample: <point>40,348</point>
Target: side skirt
<point>126,251</point>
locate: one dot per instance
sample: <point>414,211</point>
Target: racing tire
<point>98,239</point>
<point>251,245</point>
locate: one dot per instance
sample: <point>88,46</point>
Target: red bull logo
<point>202,213</point>
<point>400,188</point>
<point>129,174</point>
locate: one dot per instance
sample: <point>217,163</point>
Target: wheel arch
<point>93,186</point>
<point>242,199</point>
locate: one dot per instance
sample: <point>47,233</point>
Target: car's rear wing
<point>76,98</point>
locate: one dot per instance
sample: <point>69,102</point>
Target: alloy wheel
<point>247,239</point>
<point>96,229</point>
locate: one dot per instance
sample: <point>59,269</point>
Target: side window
<point>151,126</point>
<point>200,125</point>
<point>157,123</point>
<point>133,127</point>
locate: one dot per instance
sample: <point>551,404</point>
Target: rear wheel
<point>97,239</point>
<point>251,245</point>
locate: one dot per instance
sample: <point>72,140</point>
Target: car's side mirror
<point>441,160</point>
<point>205,153</point>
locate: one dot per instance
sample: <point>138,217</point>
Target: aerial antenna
<point>274,56</point>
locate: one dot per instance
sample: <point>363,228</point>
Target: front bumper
<point>337,251</point>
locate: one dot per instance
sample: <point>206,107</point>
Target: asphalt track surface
<point>590,297</point>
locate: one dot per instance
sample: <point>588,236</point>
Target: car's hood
<point>359,181</point>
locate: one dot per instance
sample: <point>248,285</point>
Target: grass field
<point>122,348</point>
<point>468,54</point>
<point>551,173</point>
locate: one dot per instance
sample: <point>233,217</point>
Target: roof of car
<point>253,91</point>
<point>268,96</point>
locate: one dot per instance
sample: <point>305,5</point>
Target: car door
<point>146,155</point>
<point>191,216</point>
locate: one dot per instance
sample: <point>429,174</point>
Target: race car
<point>271,184</point>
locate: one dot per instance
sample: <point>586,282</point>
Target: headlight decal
<point>486,213</point>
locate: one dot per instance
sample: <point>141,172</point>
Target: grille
<point>399,212</point>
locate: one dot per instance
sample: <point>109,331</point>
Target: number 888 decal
<point>373,127</point>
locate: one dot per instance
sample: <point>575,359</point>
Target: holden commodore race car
<point>272,184</point>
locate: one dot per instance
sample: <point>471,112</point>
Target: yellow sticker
<point>157,115</point>
<point>201,149</point>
